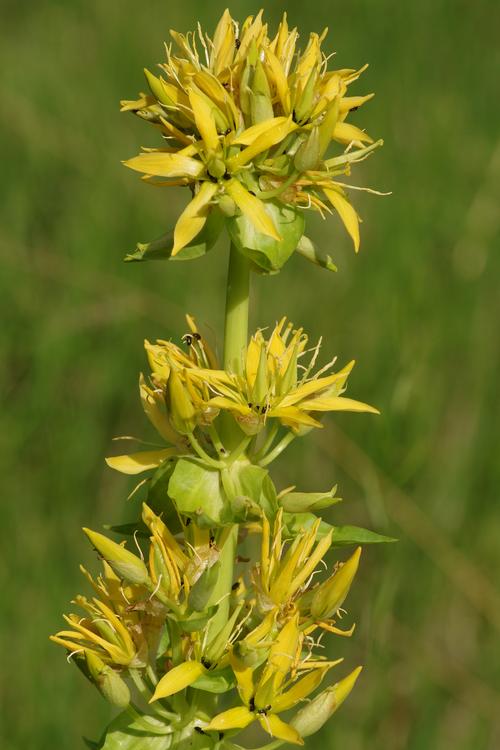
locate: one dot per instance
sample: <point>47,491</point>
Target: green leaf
<point>248,489</point>
<point>313,254</point>
<point>297,502</point>
<point>345,535</point>
<point>342,536</point>
<point>128,733</point>
<point>161,248</point>
<point>267,253</point>
<point>197,493</point>
<point>295,523</point>
<point>216,682</point>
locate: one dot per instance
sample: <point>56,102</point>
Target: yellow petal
<point>204,120</point>
<point>161,164</point>
<point>193,218</point>
<point>350,102</point>
<point>235,718</point>
<point>253,208</point>
<point>279,78</point>
<point>281,659</point>
<point>274,726</point>
<point>273,135</point>
<point>250,135</point>
<point>346,213</point>
<point>223,44</point>
<point>337,403</point>
<point>135,463</point>
<point>177,679</point>
<point>344,132</point>
<point>244,677</point>
<point>300,690</point>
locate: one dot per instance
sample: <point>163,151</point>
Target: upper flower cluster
<point>248,121</point>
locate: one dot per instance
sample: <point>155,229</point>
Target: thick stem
<point>237,300</point>
<point>235,342</point>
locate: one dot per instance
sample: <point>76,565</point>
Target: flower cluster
<point>279,389</point>
<point>248,121</point>
<point>156,627</point>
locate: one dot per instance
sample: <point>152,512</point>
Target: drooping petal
<point>177,679</point>
<point>235,718</point>
<point>274,726</point>
<point>162,164</point>
<point>253,208</point>
<point>300,690</point>
<point>135,463</point>
<point>346,213</point>
<point>193,218</point>
<point>337,403</point>
<point>344,132</point>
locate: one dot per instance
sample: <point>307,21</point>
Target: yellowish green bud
<point>261,386</point>
<point>216,167</point>
<point>245,89</point>
<point>125,564</point>
<point>308,155</point>
<point>157,88</point>
<point>108,682</point>
<point>330,595</point>
<point>227,205</point>
<point>316,713</point>
<point>261,100</point>
<point>304,107</point>
<point>202,590</point>
<point>181,407</point>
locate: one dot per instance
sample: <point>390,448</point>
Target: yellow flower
<point>278,384</point>
<point>172,400</point>
<point>247,121</point>
<point>273,689</point>
<point>104,633</point>
<point>282,577</point>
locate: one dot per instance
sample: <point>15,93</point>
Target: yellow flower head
<point>276,687</point>
<point>278,382</point>
<point>247,119</point>
<point>282,576</point>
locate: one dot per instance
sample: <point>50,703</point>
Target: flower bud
<point>200,593</point>
<point>157,87</point>
<point>181,407</point>
<point>216,167</point>
<point>316,713</point>
<point>108,682</point>
<point>308,155</point>
<point>227,205</point>
<point>124,563</point>
<point>330,595</point>
<point>304,106</point>
<point>260,98</point>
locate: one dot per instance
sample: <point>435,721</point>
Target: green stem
<point>235,342</point>
<point>266,446</point>
<point>203,454</point>
<point>278,449</point>
<point>237,301</point>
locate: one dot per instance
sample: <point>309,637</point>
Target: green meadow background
<point>418,308</point>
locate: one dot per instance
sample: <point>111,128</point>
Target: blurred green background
<point>419,309</point>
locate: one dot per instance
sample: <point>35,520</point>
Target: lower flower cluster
<point>208,616</point>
